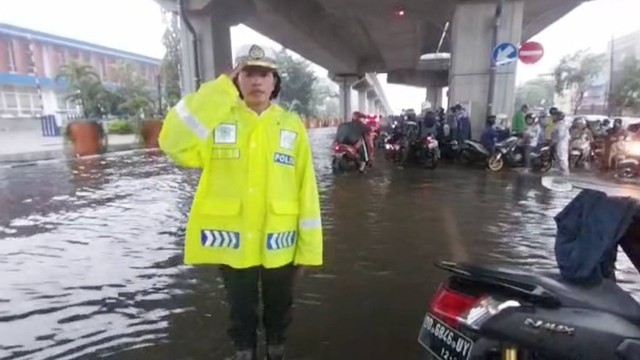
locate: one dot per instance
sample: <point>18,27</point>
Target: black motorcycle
<point>472,152</point>
<point>449,149</point>
<point>500,313</point>
<point>510,152</point>
<point>425,151</point>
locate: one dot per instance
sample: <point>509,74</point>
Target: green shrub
<point>120,127</point>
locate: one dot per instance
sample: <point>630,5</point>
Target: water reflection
<point>91,257</point>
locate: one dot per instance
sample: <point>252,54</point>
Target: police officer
<point>256,210</point>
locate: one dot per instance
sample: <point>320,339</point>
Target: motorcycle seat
<point>479,147</point>
<point>605,296</point>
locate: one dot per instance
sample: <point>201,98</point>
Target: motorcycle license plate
<point>442,341</point>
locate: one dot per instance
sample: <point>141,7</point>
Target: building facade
<point>619,49</point>
<point>30,61</point>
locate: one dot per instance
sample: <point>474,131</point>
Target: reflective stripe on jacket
<point>257,199</point>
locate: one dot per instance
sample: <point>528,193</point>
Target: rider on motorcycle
<point>405,133</point>
<point>530,138</point>
<point>581,138</point>
<point>429,123</point>
<point>615,141</point>
<point>489,135</point>
<point>356,133</point>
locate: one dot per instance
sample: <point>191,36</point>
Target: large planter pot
<point>150,131</point>
<point>87,137</point>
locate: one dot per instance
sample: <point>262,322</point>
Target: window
<point>10,100</point>
<point>62,56</point>
<point>103,68</point>
<point>11,56</point>
<point>30,56</point>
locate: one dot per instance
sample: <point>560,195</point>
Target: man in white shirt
<point>531,136</point>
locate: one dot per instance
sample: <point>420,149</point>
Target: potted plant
<point>84,132</point>
<point>150,132</point>
<point>137,105</point>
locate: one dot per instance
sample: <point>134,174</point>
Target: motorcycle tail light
<point>456,309</point>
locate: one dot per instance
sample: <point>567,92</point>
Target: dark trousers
<point>526,152</point>
<point>243,294</point>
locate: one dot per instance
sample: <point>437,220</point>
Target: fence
<point>50,126</point>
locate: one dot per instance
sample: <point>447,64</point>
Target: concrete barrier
<point>311,123</point>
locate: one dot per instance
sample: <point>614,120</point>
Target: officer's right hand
<point>235,71</point>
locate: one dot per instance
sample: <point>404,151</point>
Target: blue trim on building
<point>12,30</point>
<point>29,80</point>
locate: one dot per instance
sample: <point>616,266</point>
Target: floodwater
<point>91,257</point>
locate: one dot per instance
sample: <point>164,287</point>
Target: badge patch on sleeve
<point>283,159</point>
<point>225,134</point>
<point>288,139</point>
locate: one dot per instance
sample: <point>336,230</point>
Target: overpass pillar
<point>371,101</point>
<point>434,96</point>
<point>345,99</point>
<point>362,101</point>
<point>214,48</point>
<point>471,52</point>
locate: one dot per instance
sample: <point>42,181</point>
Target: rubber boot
<point>244,355</point>
<point>275,352</point>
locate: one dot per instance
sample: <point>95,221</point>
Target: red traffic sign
<point>530,52</point>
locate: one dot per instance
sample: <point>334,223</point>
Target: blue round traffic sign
<point>504,54</point>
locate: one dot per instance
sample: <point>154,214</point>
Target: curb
<point>21,164</point>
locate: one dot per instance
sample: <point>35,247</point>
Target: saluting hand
<point>233,73</point>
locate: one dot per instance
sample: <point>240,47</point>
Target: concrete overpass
<point>351,38</point>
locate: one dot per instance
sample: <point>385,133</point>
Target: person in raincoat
<point>256,211</point>
<point>560,139</point>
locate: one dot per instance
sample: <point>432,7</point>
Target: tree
<point>325,101</point>
<point>134,98</point>
<point>84,86</point>
<point>298,81</point>
<point>536,92</point>
<point>626,89</point>
<point>172,61</point>
<point>575,73</point>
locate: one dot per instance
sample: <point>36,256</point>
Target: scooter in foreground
<point>493,313</point>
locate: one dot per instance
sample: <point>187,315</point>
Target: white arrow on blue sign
<point>504,54</point>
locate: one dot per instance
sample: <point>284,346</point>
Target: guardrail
<point>50,126</point>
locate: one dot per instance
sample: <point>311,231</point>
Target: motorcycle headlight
<point>633,149</point>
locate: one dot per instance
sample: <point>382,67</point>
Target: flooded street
<point>91,257</point>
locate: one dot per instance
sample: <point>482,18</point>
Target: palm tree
<point>84,86</point>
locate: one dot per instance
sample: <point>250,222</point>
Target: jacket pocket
<point>221,207</point>
<point>281,207</point>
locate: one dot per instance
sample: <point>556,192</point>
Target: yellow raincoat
<point>257,199</point>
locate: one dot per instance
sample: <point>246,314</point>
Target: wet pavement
<point>91,257</point>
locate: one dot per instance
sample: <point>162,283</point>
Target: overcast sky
<point>136,26</point>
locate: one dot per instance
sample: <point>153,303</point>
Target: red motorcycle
<point>345,158</point>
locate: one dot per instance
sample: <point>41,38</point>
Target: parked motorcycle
<point>345,158</point>
<point>473,152</point>
<point>449,149</point>
<point>510,152</point>
<point>426,151</point>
